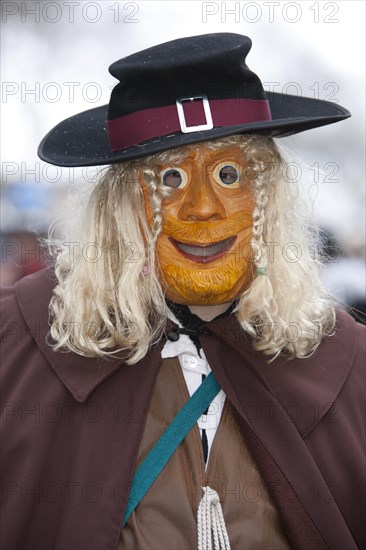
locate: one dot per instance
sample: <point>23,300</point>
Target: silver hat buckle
<point>206,108</point>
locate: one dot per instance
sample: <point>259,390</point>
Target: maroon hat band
<point>188,115</point>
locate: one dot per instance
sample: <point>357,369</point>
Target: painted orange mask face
<point>204,250</point>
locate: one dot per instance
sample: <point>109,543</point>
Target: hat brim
<point>82,140</point>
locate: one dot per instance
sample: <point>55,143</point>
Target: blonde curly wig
<point>109,300</point>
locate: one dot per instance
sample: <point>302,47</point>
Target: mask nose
<point>201,203</point>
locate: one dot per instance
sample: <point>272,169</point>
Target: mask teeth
<point>203,251</point>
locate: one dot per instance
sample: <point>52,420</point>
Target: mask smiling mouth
<point>203,254</point>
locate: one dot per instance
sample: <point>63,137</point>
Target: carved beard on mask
<point>204,251</point>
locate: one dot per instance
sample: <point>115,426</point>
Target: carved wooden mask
<point>204,249</point>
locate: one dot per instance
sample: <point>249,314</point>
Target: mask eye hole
<point>175,178</point>
<point>226,174</point>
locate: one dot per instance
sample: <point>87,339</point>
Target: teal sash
<point>164,448</point>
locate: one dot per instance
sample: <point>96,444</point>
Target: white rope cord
<point>211,522</point>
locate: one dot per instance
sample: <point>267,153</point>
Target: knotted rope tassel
<point>210,523</point>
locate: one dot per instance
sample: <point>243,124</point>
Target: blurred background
<point>54,63</point>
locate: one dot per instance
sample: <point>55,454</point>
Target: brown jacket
<point>251,519</point>
<point>72,426</point>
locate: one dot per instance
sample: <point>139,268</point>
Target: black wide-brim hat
<point>178,93</point>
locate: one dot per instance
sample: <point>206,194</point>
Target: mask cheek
<point>165,252</point>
